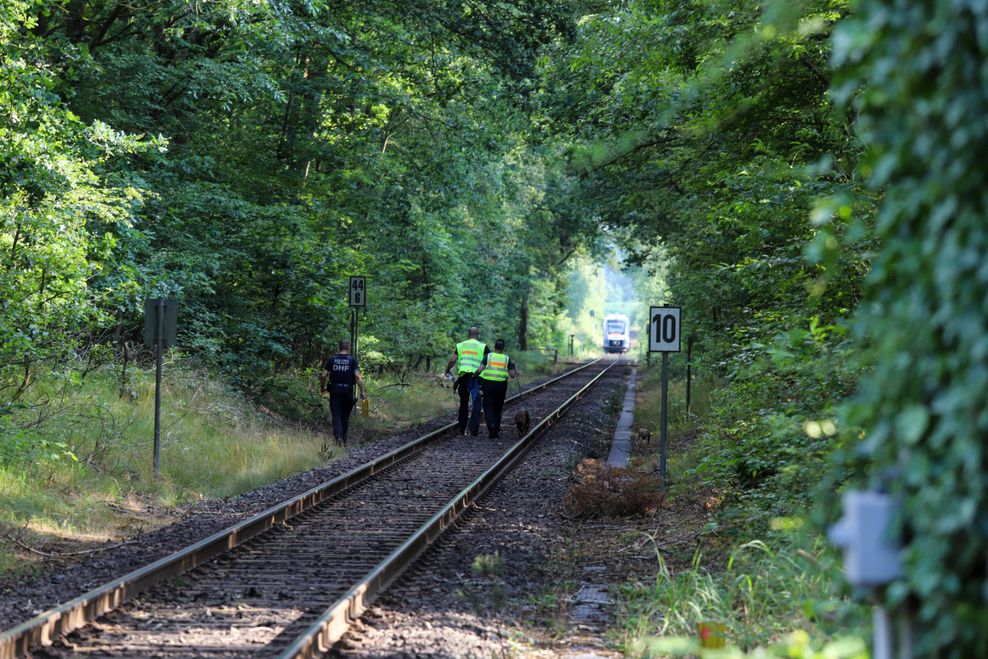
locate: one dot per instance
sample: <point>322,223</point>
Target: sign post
<point>358,299</point>
<point>160,325</point>
<point>664,332</point>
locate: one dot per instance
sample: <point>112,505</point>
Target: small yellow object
<point>364,407</point>
<point>713,635</point>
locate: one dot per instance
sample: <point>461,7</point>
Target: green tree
<point>912,73</point>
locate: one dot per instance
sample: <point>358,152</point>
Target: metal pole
<point>159,340</point>
<point>353,347</point>
<point>882,634</point>
<point>664,423</point>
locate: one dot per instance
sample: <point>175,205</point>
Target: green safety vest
<point>469,354</point>
<point>496,369</point>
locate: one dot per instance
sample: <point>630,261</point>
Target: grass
<point>534,364</point>
<point>394,406</point>
<point>648,401</point>
<point>778,592</point>
<point>76,456</point>
<point>762,597</point>
<point>76,464</point>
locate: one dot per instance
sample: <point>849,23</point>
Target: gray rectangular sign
<point>169,326</point>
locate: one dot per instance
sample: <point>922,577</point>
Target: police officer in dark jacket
<point>342,373</point>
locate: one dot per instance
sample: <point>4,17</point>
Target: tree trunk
<point>316,72</point>
<point>75,22</point>
<point>523,323</point>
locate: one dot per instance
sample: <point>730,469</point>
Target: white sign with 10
<point>664,329</point>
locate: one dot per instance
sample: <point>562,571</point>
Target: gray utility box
<point>871,558</point>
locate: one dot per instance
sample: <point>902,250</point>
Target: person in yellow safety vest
<point>468,357</point>
<point>494,372</point>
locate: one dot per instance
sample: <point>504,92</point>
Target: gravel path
<point>25,596</point>
<point>505,581</point>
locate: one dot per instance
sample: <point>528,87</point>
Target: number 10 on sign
<point>663,329</point>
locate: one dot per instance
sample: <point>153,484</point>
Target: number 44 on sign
<point>663,329</point>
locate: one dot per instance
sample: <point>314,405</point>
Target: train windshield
<point>616,326</point>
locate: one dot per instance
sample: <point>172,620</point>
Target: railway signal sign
<point>358,292</point>
<point>160,323</point>
<point>664,329</point>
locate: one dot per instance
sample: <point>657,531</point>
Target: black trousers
<point>341,402</point>
<point>469,392</point>
<point>494,393</point>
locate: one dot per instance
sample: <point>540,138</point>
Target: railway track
<point>288,581</point>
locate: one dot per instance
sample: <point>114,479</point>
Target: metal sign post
<point>664,336</point>
<point>358,299</point>
<point>160,328</point>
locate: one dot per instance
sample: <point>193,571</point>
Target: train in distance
<point>617,333</point>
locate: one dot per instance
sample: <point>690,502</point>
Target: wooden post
<point>689,371</point>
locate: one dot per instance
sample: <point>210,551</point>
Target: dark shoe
<point>475,434</point>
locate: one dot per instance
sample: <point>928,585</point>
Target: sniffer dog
<point>522,422</point>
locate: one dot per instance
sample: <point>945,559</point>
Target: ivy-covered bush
<point>771,432</point>
<point>914,75</point>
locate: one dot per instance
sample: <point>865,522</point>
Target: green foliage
<point>305,143</point>
<point>774,427</point>
<point>912,75</point>
<point>710,129</point>
<point>761,597</point>
<point>58,204</point>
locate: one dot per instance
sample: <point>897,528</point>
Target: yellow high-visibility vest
<point>496,369</point>
<point>469,354</point>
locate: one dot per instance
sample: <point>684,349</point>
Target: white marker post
<point>358,300</point>
<point>664,331</point>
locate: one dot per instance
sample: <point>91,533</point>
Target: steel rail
<point>80,611</point>
<point>335,620</point>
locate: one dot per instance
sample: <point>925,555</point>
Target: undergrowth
<point>76,450</point>
<point>752,455</point>
<point>761,596</point>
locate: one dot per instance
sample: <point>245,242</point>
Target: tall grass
<point>648,400</point>
<point>776,597</point>
<point>77,459</point>
<point>394,406</point>
<point>535,364</point>
<point>761,596</point>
